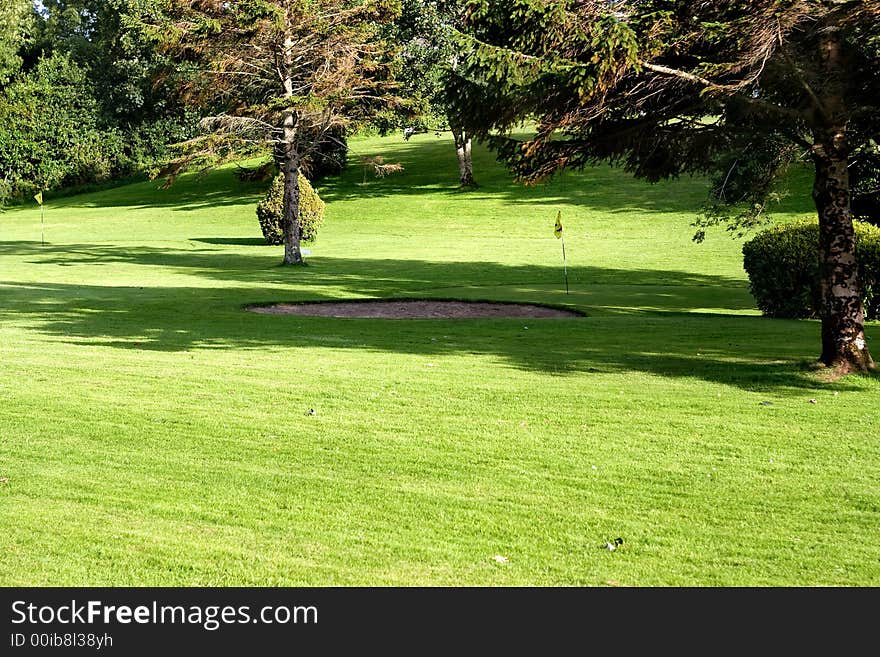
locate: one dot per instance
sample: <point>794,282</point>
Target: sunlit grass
<point>154,433</point>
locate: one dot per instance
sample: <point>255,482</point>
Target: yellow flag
<point>39,198</point>
<point>558,229</point>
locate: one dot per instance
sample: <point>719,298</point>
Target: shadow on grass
<point>665,339</point>
<point>683,291</point>
<point>190,192</point>
<point>431,167</point>
<point>234,241</point>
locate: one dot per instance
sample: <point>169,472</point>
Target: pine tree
<point>277,75</point>
<point>736,89</point>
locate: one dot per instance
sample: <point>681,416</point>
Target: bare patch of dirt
<point>405,309</point>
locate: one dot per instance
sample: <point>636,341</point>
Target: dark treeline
<point>92,91</point>
<point>84,95</point>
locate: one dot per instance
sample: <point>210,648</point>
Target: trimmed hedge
<point>783,268</point>
<point>269,211</point>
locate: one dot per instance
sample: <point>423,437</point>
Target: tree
<point>14,28</point>
<point>277,76</point>
<point>50,135</point>
<point>428,55</point>
<point>79,94</point>
<point>736,89</point>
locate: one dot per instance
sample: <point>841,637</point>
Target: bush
<point>311,211</point>
<point>783,268</point>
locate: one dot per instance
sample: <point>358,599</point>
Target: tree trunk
<point>290,224</point>
<point>465,164</point>
<point>290,160</point>
<point>843,333</point>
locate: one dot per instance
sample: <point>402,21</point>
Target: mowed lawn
<point>152,432</point>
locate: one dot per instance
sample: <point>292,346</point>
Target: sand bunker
<point>404,309</point>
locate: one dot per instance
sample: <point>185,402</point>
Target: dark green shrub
<point>783,268</point>
<point>311,211</point>
<point>864,176</point>
<point>868,254</point>
<point>330,158</point>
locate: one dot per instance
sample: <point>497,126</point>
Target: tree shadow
<point>666,337</point>
<point>190,192</point>
<point>233,241</point>
<point>668,290</point>
<point>431,167</point>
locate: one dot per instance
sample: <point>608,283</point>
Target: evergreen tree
<point>278,76</point>
<point>736,89</point>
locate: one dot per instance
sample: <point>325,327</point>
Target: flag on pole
<point>557,230</point>
<point>38,197</point>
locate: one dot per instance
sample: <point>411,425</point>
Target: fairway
<point>155,433</point>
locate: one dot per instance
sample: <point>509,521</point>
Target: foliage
<point>746,182</point>
<point>278,77</point>
<point>426,55</point>
<point>49,130</point>
<point>663,89</point>
<point>329,158</point>
<point>784,275</point>
<point>735,90</point>
<point>334,73</point>
<point>79,94</point>
<point>429,56</point>
<point>14,29</point>
<point>270,211</point>
<point>864,173</point>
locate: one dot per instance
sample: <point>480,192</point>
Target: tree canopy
<point>424,32</point>
<point>277,76</point>
<point>80,95</point>
<point>738,90</point>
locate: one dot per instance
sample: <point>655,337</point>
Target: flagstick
<point>564,264</point>
<point>42,227</point>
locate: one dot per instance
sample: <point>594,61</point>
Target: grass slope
<point>152,433</point>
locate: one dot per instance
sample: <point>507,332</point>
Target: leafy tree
<point>13,32</point>
<point>427,57</point>
<point>49,131</point>
<point>277,76</point>
<point>125,71</point>
<point>735,89</point>
<point>14,29</point>
<point>80,101</point>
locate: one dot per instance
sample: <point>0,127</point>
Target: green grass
<point>153,433</point>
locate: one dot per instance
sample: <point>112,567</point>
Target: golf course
<point>154,432</point>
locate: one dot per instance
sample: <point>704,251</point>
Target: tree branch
<point>729,90</point>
